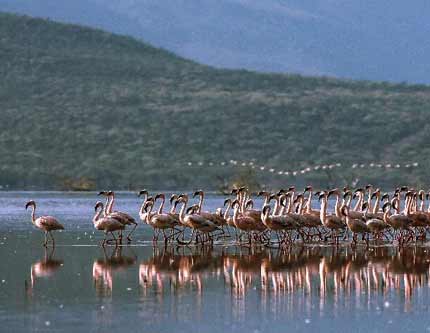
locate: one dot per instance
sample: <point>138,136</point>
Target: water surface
<point>81,287</point>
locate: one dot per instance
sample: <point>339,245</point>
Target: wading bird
<point>45,223</point>
<point>121,217</point>
<point>106,223</point>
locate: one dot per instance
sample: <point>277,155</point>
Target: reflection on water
<point>103,269</point>
<point>325,274</point>
<point>212,289</point>
<point>79,287</point>
<point>43,268</point>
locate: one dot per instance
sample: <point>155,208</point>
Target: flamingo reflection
<point>103,269</point>
<point>320,272</point>
<point>44,268</point>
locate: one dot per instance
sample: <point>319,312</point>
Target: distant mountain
<point>81,107</point>
<point>375,40</point>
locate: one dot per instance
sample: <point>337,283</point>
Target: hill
<point>373,40</point>
<point>83,105</point>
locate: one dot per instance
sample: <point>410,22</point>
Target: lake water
<point>81,287</point>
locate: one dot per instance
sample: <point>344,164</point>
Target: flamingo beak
<point>172,198</point>
<point>142,193</point>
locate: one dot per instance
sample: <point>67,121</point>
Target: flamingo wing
<point>49,223</point>
<point>109,224</point>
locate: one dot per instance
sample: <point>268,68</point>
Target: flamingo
<point>213,217</point>
<point>374,222</point>
<point>357,226</point>
<point>106,223</point>
<point>332,222</point>
<point>277,223</point>
<point>396,221</point>
<point>121,217</point>
<point>45,223</point>
<point>195,221</point>
<point>159,221</point>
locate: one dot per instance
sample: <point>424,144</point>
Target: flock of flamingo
<point>286,217</point>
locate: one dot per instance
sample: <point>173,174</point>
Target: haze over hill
<point>78,103</point>
<point>375,40</point>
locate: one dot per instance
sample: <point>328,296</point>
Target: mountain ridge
<point>383,41</point>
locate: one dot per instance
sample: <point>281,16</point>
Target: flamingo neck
<point>235,213</point>
<point>182,212</point>
<point>422,201</point>
<point>377,203</point>
<point>369,199</point>
<point>227,210</point>
<point>141,211</point>
<point>110,205</point>
<point>243,201</point>
<point>359,202</point>
<point>407,206</point>
<point>387,215</point>
<point>337,206</point>
<point>428,208</point>
<point>300,206</point>
<point>349,201</point>
<point>172,208</point>
<point>265,215</point>
<point>286,209</point>
<point>148,214</point>
<point>308,205</point>
<point>201,198</point>
<point>160,208</point>
<point>323,209</point>
<point>266,199</point>
<point>277,209</point>
<point>33,213</point>
<point>97,215</point>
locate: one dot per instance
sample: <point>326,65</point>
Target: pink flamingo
<point>45,223</point>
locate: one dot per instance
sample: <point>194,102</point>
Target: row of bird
<point>285,217</point>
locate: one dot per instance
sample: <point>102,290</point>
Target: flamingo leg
<point>112,239</point>
<point>182,242</point>
<point>129,234</point>
<point>120,236</point>
<point>104,240</point>
<point>46,239</point>
<point>52,237</point>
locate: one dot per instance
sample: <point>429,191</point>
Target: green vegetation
<point>82,106</point>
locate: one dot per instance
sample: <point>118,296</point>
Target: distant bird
<point>45,223</point>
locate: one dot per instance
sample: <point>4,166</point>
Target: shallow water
<point>80,287</point>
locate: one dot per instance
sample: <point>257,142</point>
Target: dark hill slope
<point>82,103</point>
